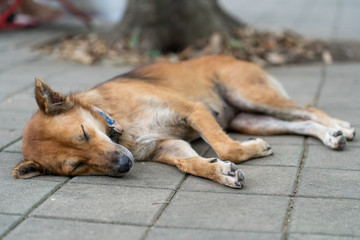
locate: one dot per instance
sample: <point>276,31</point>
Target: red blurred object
<point>6,17</point>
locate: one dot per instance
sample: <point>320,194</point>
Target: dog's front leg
<point>180,154</point>
<point>226,148</point>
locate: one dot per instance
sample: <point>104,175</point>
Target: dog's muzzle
<point>125,164</point>
<point>122,161</point>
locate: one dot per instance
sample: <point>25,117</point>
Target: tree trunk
<point>167,25</point>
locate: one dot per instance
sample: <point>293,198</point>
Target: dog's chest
<point>153,125</point>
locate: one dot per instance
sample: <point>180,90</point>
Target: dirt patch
<point>262,47</point>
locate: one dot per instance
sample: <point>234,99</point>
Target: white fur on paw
<point>335,139</point>
<point>349,133</point>
<point>229,174</point>
<point>264,149</point>
<point>346,128</point>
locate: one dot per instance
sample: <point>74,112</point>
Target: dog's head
<point>67,137</point>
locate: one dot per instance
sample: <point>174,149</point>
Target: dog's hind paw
<point>335,139</point>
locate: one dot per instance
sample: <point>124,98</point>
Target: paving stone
<point>19,196</point>
<point>343,94</point>
<point>200,146</point>
<point>322,157</point>
<point>345,114</point>
<point>11,119</point>
<point>143,174</point>
<point>84,77</point>
<point>183,234</point>
<point>258,180</point>
<point>6,221</point>
<point>43,67</point>
<point>225,212</point>
<point>293,72</point>
<point>339,72</point>
<point>301,236</point>
<point>33,228</point>
<point>326,216</point>
<point>7,162</point>
<point>15,148</point>
<point>105,203</point>
<point>329,183</point>
<point>23,102</point>
<point>284,155</point>
<point>16,56</point>
<point>9,135</point>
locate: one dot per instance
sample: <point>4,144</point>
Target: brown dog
<point>157,109</point>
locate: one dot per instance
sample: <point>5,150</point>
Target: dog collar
<point>109,120</point>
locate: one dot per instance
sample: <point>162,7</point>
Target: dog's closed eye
<point>86,136</point>
<point>77,166</point>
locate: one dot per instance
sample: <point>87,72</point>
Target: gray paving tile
<point>7,162</point>
<point>42,67</point>
<point>200,146</point>
<point>301,236</point>
<point>41,229</point>
<point>322,157</point>
<point>343,71</point>
<point>16,147</point>
<point>105,203</point>
<point>6,221</point>
<point>329,183</point>
<point>143,174</point>
<point>293,72</point>
<point>19,196</point>
<point>348,103</point>
<point>326,216</point>
<point>86,77</point>
<point>345,114</point>
<point>183,234</point>
<point>23,102</point>
<point>11,119</point>
<point>258,180</point>
<point>342,93</point>
<point>16,56</point>
<point>225,212</point>
<point>9,135</point>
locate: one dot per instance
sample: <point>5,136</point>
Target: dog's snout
<point>124,165</point>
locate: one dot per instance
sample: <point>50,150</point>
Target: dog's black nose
<point>125,164</point>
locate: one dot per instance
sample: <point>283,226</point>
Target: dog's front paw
<point>335,139</point>
<point>257,147</point>
<point>226,173</point>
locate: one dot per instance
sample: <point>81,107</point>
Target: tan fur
<point>160,107</point>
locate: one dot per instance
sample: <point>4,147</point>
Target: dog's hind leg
<point>259,92</point>
<point>180,154</point>
<point>256,124</point>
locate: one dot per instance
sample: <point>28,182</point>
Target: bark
<point>171,25</point>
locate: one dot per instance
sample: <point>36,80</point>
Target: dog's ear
<point>27,169</point>
<point>50,101</point>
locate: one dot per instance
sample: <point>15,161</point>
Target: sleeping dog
<point>153,112</point>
